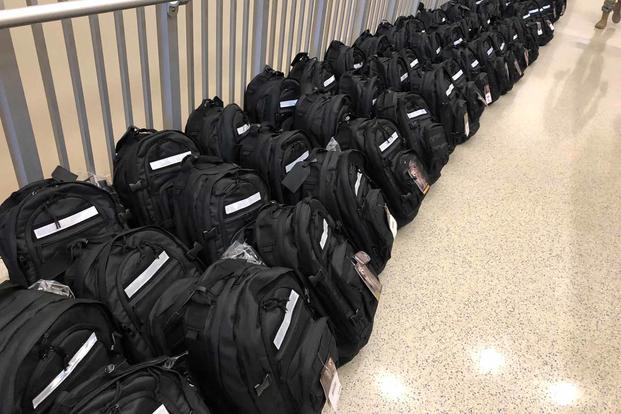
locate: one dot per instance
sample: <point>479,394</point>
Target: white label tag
<point>301,158</point>
<point>66,222</point>
<point>490,50</point>
<point>443,19</point>
<point>458,75</point>
<point>475,63</point>
<point>146,275</point>
<point>373,101</point>
<point>449,90</point>
<point>478,2</point>
<point>526,16</point>
<point>165,162</point>
<point>550,25</point>
<point>242,129</point>
<point>331,384</point>
<point>357,184</point>
<point>488,94</point>
<point>458,41</point>
<point>384,145</point>
<point>417,113</point>
<point>357,65</point>
<point>515,37</point>
<point>547,6</point>
<point>64,374</point>
<point>392,223</point>
<point>414,63</point>
<point>533,11</point>
<point>502,46</point>
<point>489,21</point>
<point>438,50</point>
<point>466,124</point>
<point>329,81</point>
<point>404,77</point>
<point>286,320</point>
<point>161,410</point>
<point>241,204</point>
<point>288,104</point>
<point>324,235</point>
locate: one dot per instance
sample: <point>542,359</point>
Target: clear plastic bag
<point>333,145</point>
<point>52,286</point>
<point>242,250</point>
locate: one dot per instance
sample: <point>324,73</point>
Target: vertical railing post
<point>50,90</point>
<point>232,48</point>
<point>168,47</point>
<point>259,35</point>
<point>144,66</point>
<point>415,7</point>
<point>189,45</point>
<point>78,94</point>
<point>244,48</point>
<point>121,46</point>
<point>362,13</point>
<point>219,40</point>
<point>392,10</point>
<point>102,84</point>
<point>319,23</point>
<point>14,115</point>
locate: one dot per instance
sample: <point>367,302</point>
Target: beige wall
<point>33,87</point>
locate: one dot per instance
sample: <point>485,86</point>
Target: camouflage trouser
<point>608,5</point>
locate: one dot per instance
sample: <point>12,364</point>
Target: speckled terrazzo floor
<point>504,294</point>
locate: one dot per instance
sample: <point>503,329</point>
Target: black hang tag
<point>294,180</point>
<point>63,175</point>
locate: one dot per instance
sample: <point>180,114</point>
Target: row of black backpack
<point>258,338</point>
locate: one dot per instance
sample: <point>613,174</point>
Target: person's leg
<point>606,9</point>
<point>616,14</point>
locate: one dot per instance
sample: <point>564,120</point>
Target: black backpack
<point>470,92</point>
<point>362,91</point>
<point>41,223</point>
<point>304,237</point>
<point>495,66</point>
<point>319,115</point>
<point>49,343</point>
<point>515,44</point>
<point>144,277</point>
<point>339,180</point>
<point>541,29</point>
<point>270,98</point>
<point>426,46</point>
<point>146,163</point>
<point>526,37</point>
<point>150,387</point>
<point>371,45</point>
<point>391,164</point>
<point>506,51</point>
<point>217,129</point>
<point>451,35</point>
<point>418,127</point>
<point>214,201</point>
<point>312,74</point>
<point>472,70</point>
<point>343,58</point>
<point>272,155</point>
<point>254,345</point>
<point>447,103</point>
<point>393,71</point>
<point>561,7</point>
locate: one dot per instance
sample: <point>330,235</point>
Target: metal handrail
<point>279,30</point>
<point>24,16</point>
